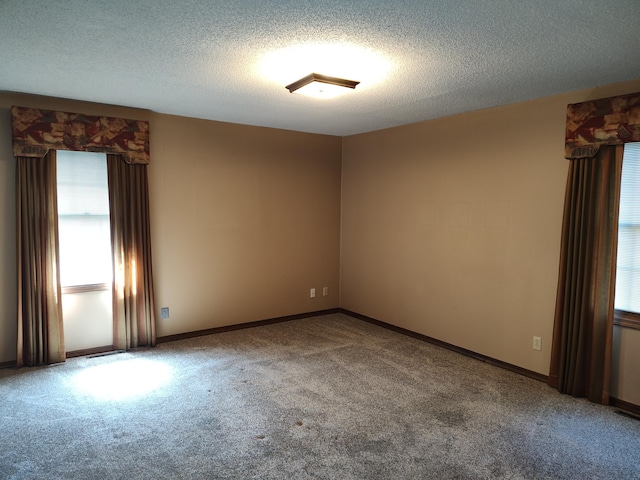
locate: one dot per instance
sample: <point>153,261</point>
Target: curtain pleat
<point>133,299</point>
<point>40,325</point>
<point>583,327</point>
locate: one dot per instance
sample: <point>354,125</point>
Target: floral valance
<point>608,121</point>
<point>36,131</point>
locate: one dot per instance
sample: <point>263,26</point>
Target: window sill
<point>626,319</point>
<point>96,287</point>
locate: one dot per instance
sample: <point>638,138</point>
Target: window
<point>627,300</point>
<point>83,221</point>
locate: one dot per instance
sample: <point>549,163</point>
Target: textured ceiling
<point>204,58</point>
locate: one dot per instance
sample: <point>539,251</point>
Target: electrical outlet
<point>164,312</point>
<point>325,291</point>
<point>312,293</point>
<point>537,343</point>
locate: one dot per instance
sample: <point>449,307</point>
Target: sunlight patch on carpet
<point>122,380</point>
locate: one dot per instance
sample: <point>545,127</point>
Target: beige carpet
<point>329,397</point>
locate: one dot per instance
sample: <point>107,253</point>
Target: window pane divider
<point>95,287</point>
<point>626,319</point>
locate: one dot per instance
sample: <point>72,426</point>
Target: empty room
<point>319,240</point>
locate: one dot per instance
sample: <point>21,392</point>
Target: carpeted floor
<point>329,397</point>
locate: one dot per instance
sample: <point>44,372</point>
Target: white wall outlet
<point>312,293</point>
<point>164,312</point>
<point>537,343</point>
<point>325,291</point>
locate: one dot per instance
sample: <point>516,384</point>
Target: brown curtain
<point>40,327</point>
<point>133,303</point>
<point>583,328</point>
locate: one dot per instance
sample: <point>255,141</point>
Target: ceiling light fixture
<point>321,86</point>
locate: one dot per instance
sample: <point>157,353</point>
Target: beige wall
<point>244,220</point>
<point>88,320</point>
<point>7,240</point>
<point>625,383</point>
<point>451,228</point>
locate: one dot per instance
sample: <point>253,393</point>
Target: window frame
<point>89,287</point>
<point>623,318</point>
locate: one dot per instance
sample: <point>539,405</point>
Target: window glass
<point>628,267</point>
<point>83,218</point>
